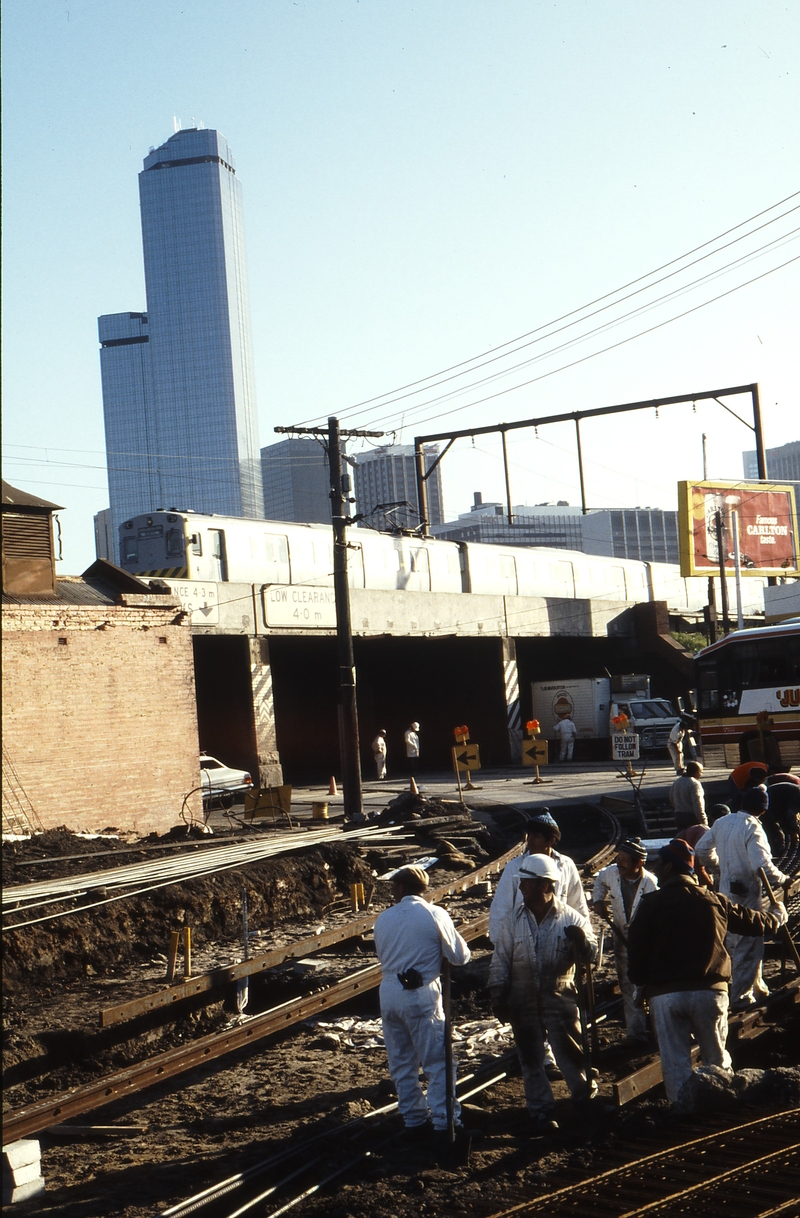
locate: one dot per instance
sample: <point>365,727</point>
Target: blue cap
<point>541,820</point>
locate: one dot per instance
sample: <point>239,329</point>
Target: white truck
<point>591,701</point>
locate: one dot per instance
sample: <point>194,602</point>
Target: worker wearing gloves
<point>677,960</point>
<point>688,798</point>
<point>541,836</point>
<point>411,937</point>
<point>531,984</point>
<point>379,753</point>
<point>738,844</point>
<point>624,883</point>
<point>566,733</point>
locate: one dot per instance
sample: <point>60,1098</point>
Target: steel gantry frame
<point>576,416</point>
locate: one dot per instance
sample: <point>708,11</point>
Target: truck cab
<point>651,718</point>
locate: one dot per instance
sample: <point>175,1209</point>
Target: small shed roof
<point>12,497</point>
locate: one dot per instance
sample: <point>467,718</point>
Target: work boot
<point>543,1124</point>
<point>418,1133</point>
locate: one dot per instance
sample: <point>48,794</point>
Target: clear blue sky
<point>422,182</point>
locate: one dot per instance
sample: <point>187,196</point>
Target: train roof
<point>776,631</point>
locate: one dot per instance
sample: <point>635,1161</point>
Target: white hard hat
<point>539,867</point>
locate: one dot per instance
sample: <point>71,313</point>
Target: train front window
<point>129,550</point>
<point>174,543</point>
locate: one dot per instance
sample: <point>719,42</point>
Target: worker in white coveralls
<point>738,844</point>
<point>675,745</point>
<point>624,883</point>
<point>411,937</point>
<point>542,834</point>
<point>678,961</point>
<point>566,733</point>
<point>379,753</point>
<point>411,739</point>
<point>531,984</point>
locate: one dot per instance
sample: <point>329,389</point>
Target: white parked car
<point>219,780</point>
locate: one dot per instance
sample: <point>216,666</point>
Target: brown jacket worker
<point>677,956</point>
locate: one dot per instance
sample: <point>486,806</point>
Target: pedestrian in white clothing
<point>411,938</point>
<point>566,732</point>
<point>738,844</point>
<point>379,752</point>
<point>625,882</point>
<point>411,738</point>
<point>541,836</point>
<point>531,983</point>
<point>675,746</point>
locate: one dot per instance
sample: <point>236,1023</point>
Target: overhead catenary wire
<point>611,347</point>
<point>613,322</point>
<point>645,307</point>
<point>380,401</point>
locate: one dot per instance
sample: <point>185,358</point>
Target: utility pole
<point>711,608</point>
<point>720,531</point>
<point>348,709</point>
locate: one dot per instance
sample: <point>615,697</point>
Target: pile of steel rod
<point>157,873</point>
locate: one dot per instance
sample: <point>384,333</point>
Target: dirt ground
<point>206,1125</point>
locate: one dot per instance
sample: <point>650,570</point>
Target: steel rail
<point>272,959</point>
<point>339,1171</point>
<point>32,1118</point>
<point>636,1172</point>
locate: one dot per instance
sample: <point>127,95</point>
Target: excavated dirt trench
<point>221,1118</point>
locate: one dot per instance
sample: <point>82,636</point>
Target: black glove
<point>577,937</point>
<point>500,1006</point>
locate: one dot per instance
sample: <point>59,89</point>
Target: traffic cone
<point>332,788</point>
<point>413,788</point>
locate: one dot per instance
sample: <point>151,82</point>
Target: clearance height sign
<point>762,513</point>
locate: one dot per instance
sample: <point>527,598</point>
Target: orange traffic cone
<point>413,788</point>
<point>332,788</point>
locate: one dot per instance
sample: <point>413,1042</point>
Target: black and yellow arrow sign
<point>534,752</point>
<point>466,757</point>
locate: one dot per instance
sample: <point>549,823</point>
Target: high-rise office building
<point>783,465</point>
<point>388,475</point>
<point>296,482</point>
<point>178,386</point>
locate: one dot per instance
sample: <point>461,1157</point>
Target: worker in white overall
<point>624,883</point>
<point>379,753</point>
<point>566,732</point>
<point>411,937</point>
<point>739,845</point>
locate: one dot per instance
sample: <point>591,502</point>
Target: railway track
<point>749,1171</point>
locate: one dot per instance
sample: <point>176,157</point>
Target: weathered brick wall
<point>99,714</point>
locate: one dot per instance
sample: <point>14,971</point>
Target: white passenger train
<point>187,545</point>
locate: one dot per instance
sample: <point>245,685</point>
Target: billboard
<point>763,513</point>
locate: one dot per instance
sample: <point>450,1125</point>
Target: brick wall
<point>99,714</point>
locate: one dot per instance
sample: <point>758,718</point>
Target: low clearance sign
<point>763,514</point>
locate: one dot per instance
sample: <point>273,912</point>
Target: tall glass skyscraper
<point>178,386</point>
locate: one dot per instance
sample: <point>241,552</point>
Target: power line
<point>573,312</point>
<point>609,325</point>
<point>643,308</point>
<point>612,346</point>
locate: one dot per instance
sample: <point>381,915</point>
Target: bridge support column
<point>269,764</point>
<point>511,688</point>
